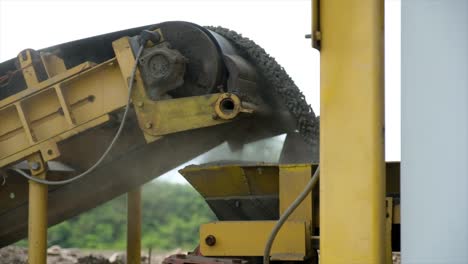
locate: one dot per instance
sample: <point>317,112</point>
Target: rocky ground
<point>396,258</point>
<point>57,255</point>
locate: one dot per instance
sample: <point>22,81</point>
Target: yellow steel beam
<point>232,180</point>
<point>46,84</point>
<point>26,64</point>
<point>292,179</point>
<point>248,238</point>
<point>134,226</point>
<point>352,181</point>
<point>53,113</point>
<point>37,215</point>
<point>53,64</point>
<point>71,101</point>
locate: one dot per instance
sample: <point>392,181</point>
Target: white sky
<point>278,26</point>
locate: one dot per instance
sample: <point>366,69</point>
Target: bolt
<point>12,195</point>
<point>140,104</point>
<point>35,165</point>
<point>210,240</point>
<point>237,203</point>
<point>215,116</point>
<point>149,125</point>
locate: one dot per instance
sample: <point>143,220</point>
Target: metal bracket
<point>316,35</point>
<point>159,118</point>
<point>163,117</point>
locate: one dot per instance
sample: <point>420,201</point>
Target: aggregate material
<point>277,79</point>
<point>57,255</point>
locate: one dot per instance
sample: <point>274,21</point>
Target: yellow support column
<point>37,218</point>
<point>352,181</point>
<point>134,226</point>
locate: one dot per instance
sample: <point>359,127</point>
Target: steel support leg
<point>352,166</point>
<point>37,218</point>
<point>134,226</point>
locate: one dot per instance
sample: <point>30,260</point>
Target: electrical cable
<point>287,213</point>
<point>106,152</point>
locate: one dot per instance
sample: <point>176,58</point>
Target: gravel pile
<point>58,255</point>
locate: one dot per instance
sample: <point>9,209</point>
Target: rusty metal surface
<point>191,259</point>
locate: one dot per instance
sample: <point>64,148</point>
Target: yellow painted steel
<point>37,214</point>
<point>248,238</point>
<point>292,179</point>
<point>158,118</point>
<point>53,64</point>
<point>352,181</point>
<point>134,219</point>
<point>232,180</point>
<point>73,100</point>
<point>46,84</point>
<point>26,64</point>
<point>50,114</point>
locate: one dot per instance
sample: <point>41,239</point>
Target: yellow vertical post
<point>37,218</point>
<point>352,181</point>
<point>134,226</point>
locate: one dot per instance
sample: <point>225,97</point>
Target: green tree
<point>172,214</point>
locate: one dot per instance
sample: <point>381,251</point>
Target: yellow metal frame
<point>352,185</point>
<point>248,238</point>
<point>134,222</point>
<point>74,100</point>
<point>37,212</point>
<point>71,101</point>
<point>159,118</point>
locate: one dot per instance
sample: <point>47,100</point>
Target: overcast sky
<point>278,26</point>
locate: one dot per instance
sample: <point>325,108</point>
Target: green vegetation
<point>172,214</point>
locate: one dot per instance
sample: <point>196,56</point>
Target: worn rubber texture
<point>278,80</point>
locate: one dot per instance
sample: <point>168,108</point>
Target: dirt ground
<point>57,255</point>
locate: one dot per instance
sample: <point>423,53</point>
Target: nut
<point>210,240</point>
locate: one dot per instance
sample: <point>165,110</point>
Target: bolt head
<point>210,240</point>
<point>35,165</point>
<point>140,104</point>
<point>149,125</point>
